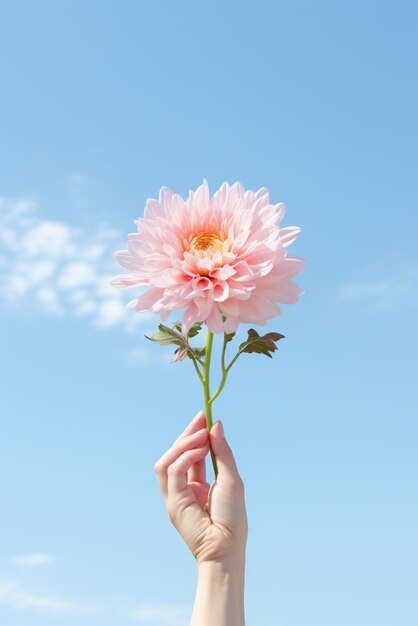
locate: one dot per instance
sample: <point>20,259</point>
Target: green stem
<point>234,359</point>
<point>224,372</point>
<point>206,393</point>
<point>198,372</point>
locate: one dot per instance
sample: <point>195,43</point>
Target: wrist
<point>224,567</point>
<point>220,592</point>
<point>224,579</point>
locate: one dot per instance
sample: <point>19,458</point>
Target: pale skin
<point>211,519</point>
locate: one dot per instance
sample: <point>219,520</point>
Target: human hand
<point>211,519</point>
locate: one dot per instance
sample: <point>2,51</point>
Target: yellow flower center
<point>207,242</point>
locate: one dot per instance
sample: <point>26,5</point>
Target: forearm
<point>220,594</point>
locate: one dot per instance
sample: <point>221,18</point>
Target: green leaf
<point>194,330</point>
<point>166,336</point>
<point>260,344</point>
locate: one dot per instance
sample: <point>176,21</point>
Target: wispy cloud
<point>384,288</point>
<point>16,595</point>
<point>60,269</point>
<point>13,596</point>
<point>32,560</point>
<point>162,615</point>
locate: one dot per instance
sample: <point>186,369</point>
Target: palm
<point>211,518</point>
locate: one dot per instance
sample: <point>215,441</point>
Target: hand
<point>211,518</point>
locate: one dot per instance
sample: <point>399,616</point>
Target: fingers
<point>198,422</point>
<point>194,436</point>
<point>227,468</point>
<point>197,472</point>
<point>177,471</point>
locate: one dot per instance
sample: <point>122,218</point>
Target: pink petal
<point>289,234</point>
<point>204,264</point>
<point>223,273</point>
<point>204,308</point>
<point>231,324</point>
<point>128,280</point>
<point>152,209</point>
<point>201,195</point>
<point>126,260</point>
<point>146,301</point>
<point>189,318</point>
<point>245,275</point>
<point>243,271</point>
<point>231,307</point>
<point>200,285</point>
<point>220,290</point>
<point>214,321</point>
<point>288,293</point>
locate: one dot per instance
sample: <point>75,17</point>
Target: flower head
<point>222,258</point>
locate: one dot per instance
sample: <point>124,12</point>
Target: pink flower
<point>213,256</point>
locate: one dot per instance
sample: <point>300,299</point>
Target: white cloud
<point>13,596</point>
<point>110,312</point>
<point>32,560</point>
<point>48,300</point>
<point>162,615</point>
<point>85,308</point>
<point>76,275</point>
<point>54,237</point>
<point>54,268</point>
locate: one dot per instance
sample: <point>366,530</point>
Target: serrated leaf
<point>200,351</point>
<point>194,330</point>
<point>166,336</point>
<point>177,326</point>
<point>260,344</point>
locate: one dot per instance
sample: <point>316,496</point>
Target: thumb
<point>227,467</point>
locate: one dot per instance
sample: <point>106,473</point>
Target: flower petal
<point>128,280</point>
<point>207,255</point>
<point>220,290</point>
<point>214,321</point>
<point>289,234</point>
<point>146,301</point>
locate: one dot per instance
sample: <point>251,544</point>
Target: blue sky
<point>102,103</point>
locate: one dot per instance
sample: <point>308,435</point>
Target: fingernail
<point>221,430</point>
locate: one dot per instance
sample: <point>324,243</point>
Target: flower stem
<point>198,372</point>
<point>224,372</point>
<point>234,359</point>
<point>206,393</point>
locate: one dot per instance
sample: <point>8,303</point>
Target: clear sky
<point>103,103</point>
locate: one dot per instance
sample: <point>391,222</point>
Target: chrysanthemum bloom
<point>224,259</point>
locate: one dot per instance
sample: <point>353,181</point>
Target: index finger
<point>197,423</point>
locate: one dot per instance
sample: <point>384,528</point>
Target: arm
<point>211,519</point>
<point>219,594</point>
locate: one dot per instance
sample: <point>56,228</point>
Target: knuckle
<point>172,469</point>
